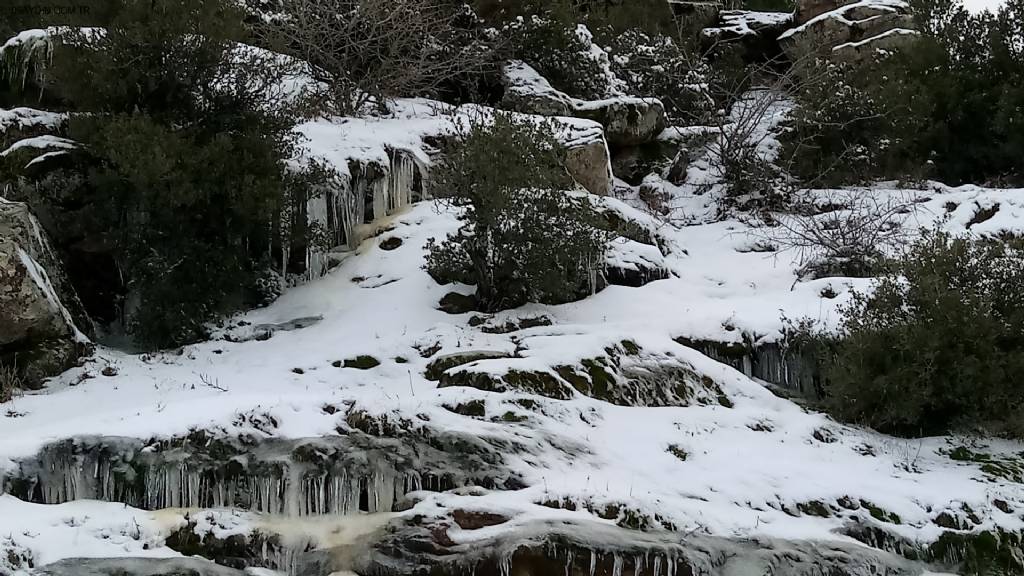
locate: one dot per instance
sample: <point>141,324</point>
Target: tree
<point>527,237</point>
<point>180,176</point>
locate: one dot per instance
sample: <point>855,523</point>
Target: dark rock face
<point>41,318</point>
<point>422,546</point>
<point>348,474</point>
<point>787,368</point>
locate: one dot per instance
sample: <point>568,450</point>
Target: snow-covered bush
<point>845,131</point>
<point>660,67</point>
<point>526,238</point>
<point>938,345</point>
<point>564,53</point>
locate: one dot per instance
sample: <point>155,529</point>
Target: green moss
<point>881,514</point>
<point>513,418</point>
<point>815,508</point>
<point>362,362</point>
<point>473,408</point>
<point>401,360</point>
<point>534,382</point>
<point>630,347</point>
<point>439,366</point>
<point>678,452</point>
<point>979,554</point>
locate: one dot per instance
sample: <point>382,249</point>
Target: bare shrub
<point>9,382</point>
<point>844,232</point>
<point>365,51</point>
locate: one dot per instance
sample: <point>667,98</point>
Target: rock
<point>136,567</point>
<point>849,30</point>
<point>632,164</point>
<point>860,52</point>
<point>528,92</point>
<point>694,15</point>
<point>587,158</point>
<point>41,316</point>
<point>680,164</point>
<point>626,121</point>
<point>756,32</point>
<point>455,303</point>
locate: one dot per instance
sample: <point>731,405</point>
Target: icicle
<point>593,562</point>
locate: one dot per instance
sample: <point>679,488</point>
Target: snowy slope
<point>749,467</point>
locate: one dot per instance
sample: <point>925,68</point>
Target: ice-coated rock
<point>41,318</point>
<point>136,567</point>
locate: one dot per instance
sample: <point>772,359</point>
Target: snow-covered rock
<point>527,91</point>
<point>38,308</point>
<point>850,28</point>
<point>756,32</point>
<point>627,121</point>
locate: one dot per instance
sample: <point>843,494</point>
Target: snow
<point>746,22</point>
<point>892,6</point>
<point>739,480</point>
<point>40,143</point>
<point>750,462</point>
<point>872,39</point>
<point>27,118</point>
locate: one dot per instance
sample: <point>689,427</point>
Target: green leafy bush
<point>948,106</point>
<point>525,238</point>
<point>937,346</point>
<point>181,177</point>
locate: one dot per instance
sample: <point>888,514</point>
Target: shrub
<point>660,67</point>
<point>848,129</point>
<point>948,106</point>
<point>938,345</point>
<point>369,51</point>
<point>10,382</point>
<point>564,53</point>
<point>525,238</point>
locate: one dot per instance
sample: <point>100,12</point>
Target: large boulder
<point>42,324</point>
<point>849,29</point>
<point>756,33</point>
<point>529,92</point>
<point>626,121</point>
<point>690,15</point>
<point>586,157</point>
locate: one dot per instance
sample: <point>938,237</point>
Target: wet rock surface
<point>346,474</point>
<point>40,313</point>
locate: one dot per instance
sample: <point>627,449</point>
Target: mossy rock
<point>881,514</point>
<point>473,408</point>
<point>981,553</point>
<point>362,362</point>
<point>533,382</point>
<point>815,508</point>
<point>442,364</point>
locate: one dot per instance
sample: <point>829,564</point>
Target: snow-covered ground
<point>749,466</point>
